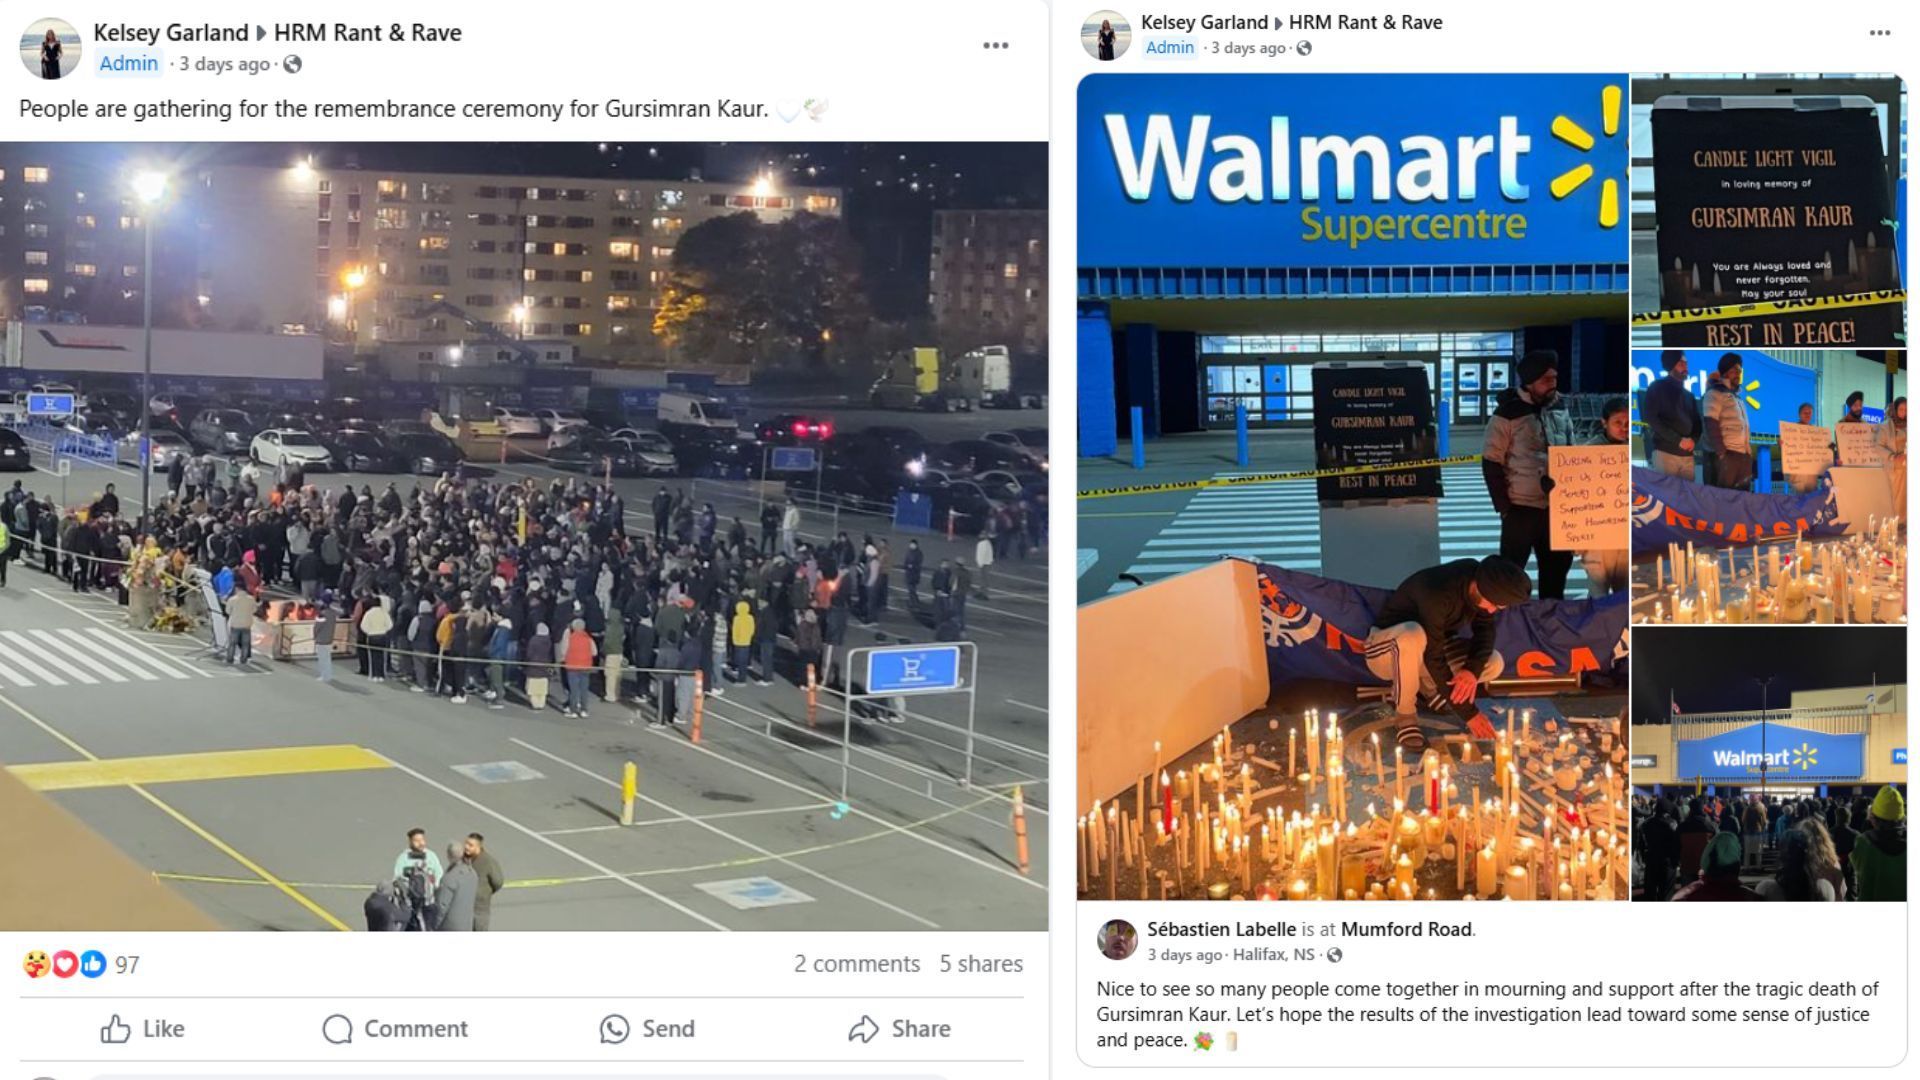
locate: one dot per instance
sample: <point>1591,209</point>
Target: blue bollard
<point>1763,476</point>
<point>1139,437</point>
<point>1443,441</point>
<point>1240,452</point>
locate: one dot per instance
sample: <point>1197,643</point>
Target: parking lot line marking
<point>748,844</point>
<point>116,634</point>
<point>1024,705</point>
<point>679,740</point>
<point>557,846</point>
<point>182,768</point>
<point>186,822</point>
<point>109,653</point>
<point>702,817</point>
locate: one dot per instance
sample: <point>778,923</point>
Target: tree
<point>741,290</point>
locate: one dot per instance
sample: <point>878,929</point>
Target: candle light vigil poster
<point>1774,213</point>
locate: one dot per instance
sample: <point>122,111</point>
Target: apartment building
<point>989,275</point>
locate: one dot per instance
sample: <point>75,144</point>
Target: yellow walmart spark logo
<point>1752,402</point>
<point>1805,757</point>
<point>1568,131</point>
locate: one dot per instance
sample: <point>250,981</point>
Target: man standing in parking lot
<point>769,526</point>
<point>662,514</point>
<point>910,567</point>
<point>789,528</point>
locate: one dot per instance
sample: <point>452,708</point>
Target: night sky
<point>1711,669</point>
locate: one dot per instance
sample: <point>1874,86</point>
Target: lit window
<point>130,270</point>
<point>36,258</point>
<point>34,285</point>
<point>619,303</point>
<point>586,276</point>
<point>666,224</point>
<point>663,253</point>
<point>84,221</point>
<point>1011,271</point>
<point>620,249</point>
<point>83,270</point>
<point>34,174</point>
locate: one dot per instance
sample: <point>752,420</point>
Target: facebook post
<point>1369,475</point>
<point>582,479</point>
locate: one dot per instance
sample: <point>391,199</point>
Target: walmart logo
<point>1570,132</point>
<point>1805,757</point>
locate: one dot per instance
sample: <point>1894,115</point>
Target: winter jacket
<point>743,624</point>
<point>580,650</point>
<point>540,656</point>
<point>1671,414</point>
<point>1514,456</point>
<point>1725,419</point>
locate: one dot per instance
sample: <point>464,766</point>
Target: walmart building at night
<point>1235,230</point>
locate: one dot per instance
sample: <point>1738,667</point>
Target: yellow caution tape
<point>1269,478</point>
<point>1769,307</point>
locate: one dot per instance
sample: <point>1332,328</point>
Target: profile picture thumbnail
<point>1117,939</point>
<point>1106,35</point>
<point>50,48</point>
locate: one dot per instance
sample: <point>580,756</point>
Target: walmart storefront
<point>1235,230</point>
<point>1839,742</point>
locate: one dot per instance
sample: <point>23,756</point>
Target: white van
<point>709,415</point>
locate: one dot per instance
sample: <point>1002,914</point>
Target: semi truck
<point>977,379</point>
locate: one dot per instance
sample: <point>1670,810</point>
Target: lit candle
<point>1399,774</point>
<point>1166,804</point>
<point>1081,847</point>
<point>1518,883</point>
<point>1159,773</point>
<point>1293,768</point>
<point>1484,872</point>
<point>1379,763</point>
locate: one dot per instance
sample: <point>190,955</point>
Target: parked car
<point>166,445</point>
<point>14,455</point>
<point>593,451</point>
<point>967,503</point>
<point>788,429</point>
<point>426,453</point>
<point>1030,443</point>
<point>277,446</point>
<point>363,450</point>
<point>223,431</point>
<point>552,420</point>
<point>13,407</point>
<point>515,422</point>
<point>976,455</point>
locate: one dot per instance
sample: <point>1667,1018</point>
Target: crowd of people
<point>1715,431</point>
<point>466,586</point>
<point>1821,849</point>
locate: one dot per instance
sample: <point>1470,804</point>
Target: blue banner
<point>1316,628</point>
<point>1351,170</point>
<point>1774,391</point>
<point>1790,753</point>
<point>1670,510</point>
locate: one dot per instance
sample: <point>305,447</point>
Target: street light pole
<point>1763,681</point>
<point>149,188</point>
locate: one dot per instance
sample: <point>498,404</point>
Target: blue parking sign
<point>49,404</point>
<point>794,458</point>
<point>913,669</point>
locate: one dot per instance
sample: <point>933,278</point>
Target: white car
<point>515,421</point>
<point>277,446</point>
<point>555,420</point>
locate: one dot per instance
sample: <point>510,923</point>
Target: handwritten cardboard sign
<point>1856,444</point>
<point>1588,505</point>
<point>1805,449</point>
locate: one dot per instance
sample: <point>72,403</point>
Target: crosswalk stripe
<point>29,656</point>
<point>13,676</point>
<point>141,653</point>
<point>88,662</point>
<point>1279,522</point>
<point>112,657</point>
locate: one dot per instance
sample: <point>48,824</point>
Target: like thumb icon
<point>115,1031</point>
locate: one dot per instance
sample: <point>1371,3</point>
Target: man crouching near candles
<point>1415,642</point>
